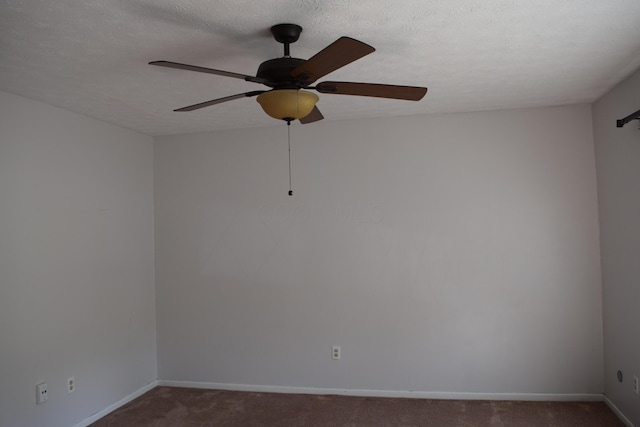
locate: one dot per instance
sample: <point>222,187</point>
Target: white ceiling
<point>90,56</point>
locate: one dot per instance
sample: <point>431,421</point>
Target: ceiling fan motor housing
<point>277,73</point>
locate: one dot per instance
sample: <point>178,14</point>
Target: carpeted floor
<point>186,407</point>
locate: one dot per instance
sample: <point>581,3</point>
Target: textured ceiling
<point>90,56</point>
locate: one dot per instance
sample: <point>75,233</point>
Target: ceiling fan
<point>290,79</point>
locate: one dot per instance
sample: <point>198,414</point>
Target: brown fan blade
<point>188,67</point>
<point>313,116</point>
<point>343,51</point>
<point>410,93</point>
<point>220,100</point>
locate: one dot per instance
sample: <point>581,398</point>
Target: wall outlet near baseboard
<point>71,385</point>
<point>41,393</point>
<point>335,352</point>
<point>636,390</point>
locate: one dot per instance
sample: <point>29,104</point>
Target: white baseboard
<point>617,411</point>
<point>387,393</point>
<point>95,417</point>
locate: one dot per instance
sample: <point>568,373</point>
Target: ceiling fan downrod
<point>286,34</point>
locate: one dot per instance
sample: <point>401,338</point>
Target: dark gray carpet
<point>186,407</point>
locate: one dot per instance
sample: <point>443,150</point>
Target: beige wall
<point>443,253</point>
<point>618,166</point>
<point>76,263</point>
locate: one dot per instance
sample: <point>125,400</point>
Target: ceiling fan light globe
<point>287,104</point>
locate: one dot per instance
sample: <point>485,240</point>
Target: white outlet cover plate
<point>41,393</point>
<point>335,352</point>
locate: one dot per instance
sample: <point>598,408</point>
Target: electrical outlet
<point>71,385</point>
<point>335,352</point>
<point>636,390</point>
<point>41,393</point>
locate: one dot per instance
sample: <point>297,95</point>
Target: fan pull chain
<point>289,140</point>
